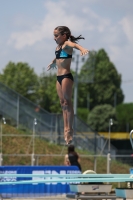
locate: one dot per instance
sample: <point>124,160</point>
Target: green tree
<point>124,114</point>
<point>47,93</point>
<point>21,78</point>
<point>85,78</point>
<point>83,114</point>
<point>99,117</point>
<point>105,82</point>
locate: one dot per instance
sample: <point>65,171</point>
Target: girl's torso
<point>73,158</point>
<point>63,60</point>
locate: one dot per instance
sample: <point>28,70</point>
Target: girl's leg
<point>59,92</point>
<point>64,92</point>
<point>68,107</point>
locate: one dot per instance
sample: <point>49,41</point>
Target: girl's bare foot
<point>68,134</point>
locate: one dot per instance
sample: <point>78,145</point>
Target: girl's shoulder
<point>66,156</point>
<point>67,44</point>
<point>67,48</point>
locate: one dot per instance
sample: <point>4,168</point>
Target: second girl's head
<point>71,148</point>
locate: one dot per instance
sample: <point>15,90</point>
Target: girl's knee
<point>67,102</point>
<point>62,104</point>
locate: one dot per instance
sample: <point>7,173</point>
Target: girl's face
<point>60,39</point>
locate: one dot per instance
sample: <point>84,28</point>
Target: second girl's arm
<point>66,160</point>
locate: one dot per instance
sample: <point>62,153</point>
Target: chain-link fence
<point>23,114</point>
<point>119,164</point>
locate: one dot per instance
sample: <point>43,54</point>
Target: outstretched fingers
<point>48,67</point>
<point>51,66</point>
<point>86,51</point>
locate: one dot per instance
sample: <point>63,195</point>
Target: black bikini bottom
<point>60,78</point>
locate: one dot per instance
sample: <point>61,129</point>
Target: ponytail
<point>65,30</point>
<point>74,39</point>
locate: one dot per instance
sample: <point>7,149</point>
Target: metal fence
<point>118,164</point>
<point>23,114</point>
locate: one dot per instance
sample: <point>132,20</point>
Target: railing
<point>120,164</point>
<point>21,113</point>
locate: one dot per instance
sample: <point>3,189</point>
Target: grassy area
<point>23,145</point>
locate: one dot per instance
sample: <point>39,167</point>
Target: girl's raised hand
<point>51,66</point>
<point>84,52</point>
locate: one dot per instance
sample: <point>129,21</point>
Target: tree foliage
<point>21,78</point>
<point>99,117</point>
<point>47,93</point>
<point>124,114</point>
<point>105,82</point>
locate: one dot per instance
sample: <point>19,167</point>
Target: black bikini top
<point>62,54</point>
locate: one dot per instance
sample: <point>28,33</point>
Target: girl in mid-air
<point>63,57</point>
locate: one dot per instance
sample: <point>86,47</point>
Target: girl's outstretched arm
<point>82,50</point>
<point>52,65</point>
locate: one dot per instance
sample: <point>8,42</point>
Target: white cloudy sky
<point>26,32</point>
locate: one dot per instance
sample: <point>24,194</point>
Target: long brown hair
<point>71,150</point>
<point>65,30</point>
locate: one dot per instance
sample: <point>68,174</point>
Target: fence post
<point>32,159</point>
<point>51,129</point>
<point>108,163</point>
<point>1,159</point>
<point>95,163</point>
<point>17,112</point>
<point>37,160</point>
<point>95,142</point>
<point>58,129</point>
